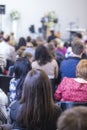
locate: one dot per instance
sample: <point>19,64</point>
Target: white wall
<point>32,11</point>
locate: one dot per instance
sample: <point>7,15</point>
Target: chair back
<point>4,83</point>
<point>67,104</point>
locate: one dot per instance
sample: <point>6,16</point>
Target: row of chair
<point>68,104</point>
<point>4,85</point>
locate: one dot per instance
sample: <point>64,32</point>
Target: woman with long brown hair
<point>36,109</point>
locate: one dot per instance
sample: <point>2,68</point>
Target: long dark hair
<point>21,68</point>
<point>21,42</point>
<point>37,103</point>
<point>42,55</point>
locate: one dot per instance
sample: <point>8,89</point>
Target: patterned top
<point>12,89</point>
<point>71,89</point>
<point>3,104</point>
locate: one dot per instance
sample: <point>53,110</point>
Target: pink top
<point>71,90</point>
<point>63,50</point>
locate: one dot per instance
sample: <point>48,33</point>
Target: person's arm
<point>58,94</point>
<point>59,91</point>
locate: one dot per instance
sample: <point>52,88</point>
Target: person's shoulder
<point>14,105</point>
<point>67,80</point>
<point>67,60</point>
<point>54,61</point>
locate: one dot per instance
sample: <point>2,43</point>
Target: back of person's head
<point>58,43</point>
<point>77,47</point>
<point>81,69</point>
<point>51,49</point>
<point>73,119</point>
<point>52,32</point>
<point>20,51</point>
<point>40,40</point>
<point>37,97</point>
<point>6,38</point>
<point>78,35</point>
<point>22,42</point>
<point>34,42</point>
<point>42,55</point>
<point>28,39</point>
<point>1,32</point>
<point>21,67</point>
<point>28,55</point>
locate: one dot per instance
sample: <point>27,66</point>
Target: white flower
<point>15,15</point>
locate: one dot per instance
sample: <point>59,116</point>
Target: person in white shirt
<point>6,50</point>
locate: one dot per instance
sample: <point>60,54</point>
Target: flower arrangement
<point>50,19</point>
<point>15,15</point>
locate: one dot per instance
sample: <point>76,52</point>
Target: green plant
<point>15,15</point>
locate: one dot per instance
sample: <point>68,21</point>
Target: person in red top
<point>74,89</point>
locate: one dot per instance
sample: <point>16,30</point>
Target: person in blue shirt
<point>68,65</point>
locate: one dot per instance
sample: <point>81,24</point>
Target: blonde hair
<point>81,69</point>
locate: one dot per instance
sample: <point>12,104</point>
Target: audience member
<point>84,55</point>
<point>73,119</point>
<point>28,39</point>
<point>20,52</point>
<point>51,36</point>
<point>31,47</point>
<point>7,51</point>
<point>28,55</point>
<point>78,36</point>
<point>60,48</point>
<point>43,60</point>
<point>12,41</point>
<point>21,42</point>
<point>68,65</point>
<point>2,64</point>
<point>21,68</point>
<point>51,50</point>
<point>36,109</point>
<point>74,89</point>
<point>39,40</point>
<point>59,56</point>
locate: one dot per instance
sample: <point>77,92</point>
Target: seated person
<point>60,48</point>
<point>74,89</point>
<point>3,105</point>
<point>68,65</point>
<point>36,109</point>
<point>51,37</point>
<point>21,68</point>
<point>73,119</point>
<point>43,60</point>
